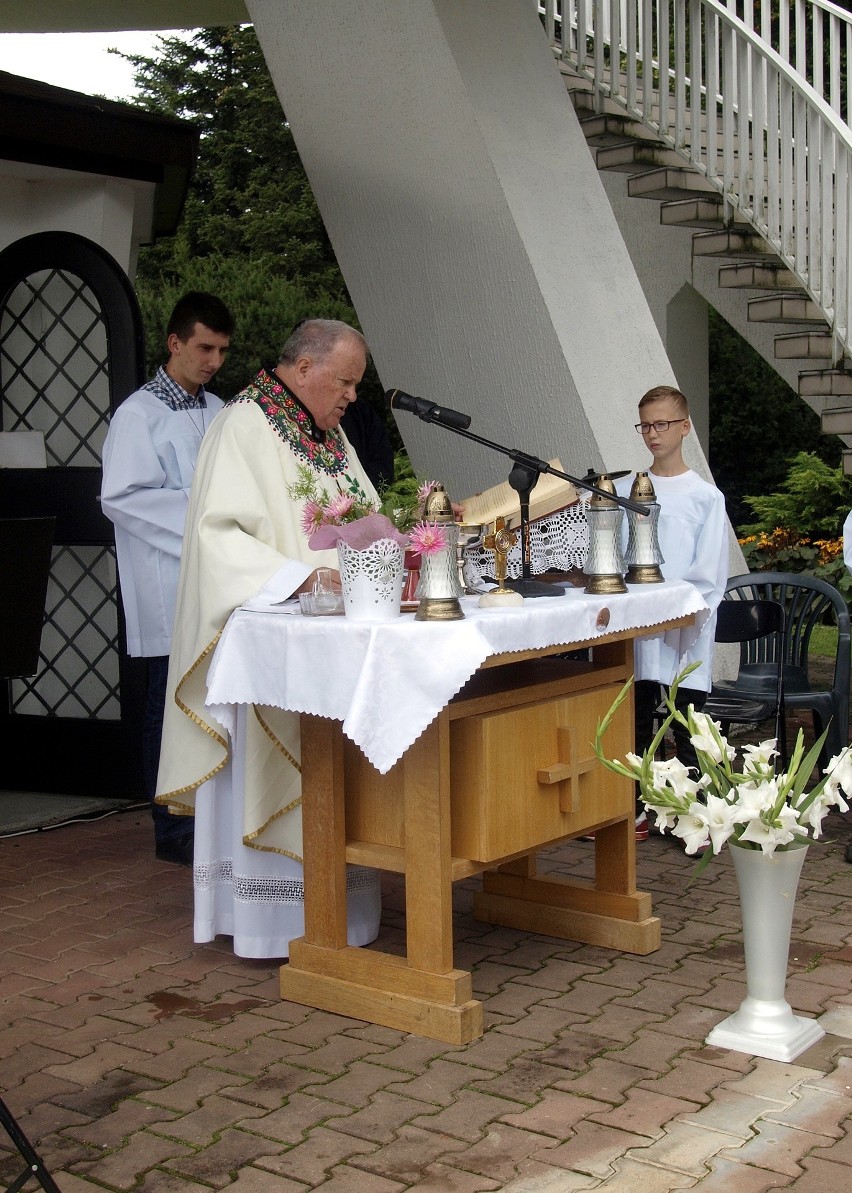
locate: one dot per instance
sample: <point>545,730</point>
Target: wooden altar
<point>505,768</point>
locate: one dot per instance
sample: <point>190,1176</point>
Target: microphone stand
<point>523,479</point>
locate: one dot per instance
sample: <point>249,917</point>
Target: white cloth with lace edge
<point>386,682</point>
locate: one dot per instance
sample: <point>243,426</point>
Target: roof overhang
<point>92,16</point>
<point>49,126</point>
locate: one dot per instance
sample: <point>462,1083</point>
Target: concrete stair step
<point>758,275</point>
<point>630,156</point>
<point>825,383</point>
<point>785,308</point>
<point>703,211</point>
<point>836,422</point>
<point>668,183</point>
<point>804,345</point>
<point>614,129</point>
<point>731,242</point>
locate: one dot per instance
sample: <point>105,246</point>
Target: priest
<point>245,538</point>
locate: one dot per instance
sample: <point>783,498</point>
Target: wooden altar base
<point>505,769</point>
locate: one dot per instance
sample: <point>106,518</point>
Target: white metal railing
<point>739,112</point>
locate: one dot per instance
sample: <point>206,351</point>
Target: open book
<point>551,493</point>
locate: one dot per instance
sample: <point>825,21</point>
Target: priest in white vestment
<point>245,537</point>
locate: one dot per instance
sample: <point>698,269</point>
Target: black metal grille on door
<point>70,349</point>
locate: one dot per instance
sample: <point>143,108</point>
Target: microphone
<point>430,413</point>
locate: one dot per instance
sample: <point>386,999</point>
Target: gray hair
<point>316,338</point>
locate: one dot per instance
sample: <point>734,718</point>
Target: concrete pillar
<point>474,233</point>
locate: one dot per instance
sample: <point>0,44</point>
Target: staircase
<point>738,129</point>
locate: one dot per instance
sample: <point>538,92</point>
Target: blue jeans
<point>167,828</point>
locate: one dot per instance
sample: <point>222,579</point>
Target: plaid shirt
<point>174,395</point>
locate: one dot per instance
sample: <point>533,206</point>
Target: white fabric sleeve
<point>709,569</point>
<point>132,492</point>
<point>847,541</point>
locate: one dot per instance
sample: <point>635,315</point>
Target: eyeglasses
<point>659,427</point>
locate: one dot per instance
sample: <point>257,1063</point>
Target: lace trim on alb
<point>249,888</point>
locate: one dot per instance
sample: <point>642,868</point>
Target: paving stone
<point>542,1024</point>
<point>555,1113</point>
<point>216,1165</point>
<point>336,1056</point>
<point>257,1180</point>
<point>591,1148</point>
<point>121,1169</point>
<point>574,1050</point>
<point>619,1022</point>
<point>644,1112</point>
<point>272,1088</point>
<point>687,1148</point>
<point>351,1180</point>
<point>540,1178</point>
<point>438,1178</point>
<point>311,1159</point>
<point>606,1079</point>
<point>523,1082</point>
<point>814,1110</point>
<point>731,1111</point>
<point>383,1115</point>
<point>495,1050</point>
<point>405,1157</point>
<point>821,1176</point>
<point>838,1082</point>
<point>631,1176</point>
<point>257,1056</point>
<point>467,1117</point>
<point>437,1086</point>
<point>653,1049</point>
<point>185,1094</point>
<point>96,1064</point>
<point>727,1177</point>
<point>774,1080</point>
<point>171,1063</point>
<point>359,1083</point>
<point>502,1150</point>
<point>113,1130</point>
<point>199,1127</point>
<point>514,999</point>
<point>776,1147</point>
<point>301,1114</point>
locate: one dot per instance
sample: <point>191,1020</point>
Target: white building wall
<point>471,225</point>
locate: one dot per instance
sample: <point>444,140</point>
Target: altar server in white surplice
<point>245,538</point>
<point>692,530</point>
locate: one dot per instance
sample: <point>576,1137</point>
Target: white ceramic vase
<point>372,580</point>
<point>764,1024</point>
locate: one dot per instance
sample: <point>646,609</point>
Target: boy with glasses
<point>692,530</point>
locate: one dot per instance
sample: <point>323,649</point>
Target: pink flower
<point>424,491</point>
<point>313,516</point>
<point>426,538</point>
<point>338,508</point>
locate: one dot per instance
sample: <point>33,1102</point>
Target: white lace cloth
<point>386,682</point>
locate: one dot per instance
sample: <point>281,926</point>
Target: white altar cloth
<point>387,681</point>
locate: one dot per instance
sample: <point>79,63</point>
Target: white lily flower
<point>767,836</point>
<point>720,817</point>
<point>756,758</point>
<point>666,817</point>
<point>692,830</point>
<point>705,740</point>
<point>756,797</point>
<point>839,769</point>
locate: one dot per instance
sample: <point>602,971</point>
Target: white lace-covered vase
<point>372,580</point>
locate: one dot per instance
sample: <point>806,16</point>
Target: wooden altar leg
<point>421,993</point>
<point>609,912</point>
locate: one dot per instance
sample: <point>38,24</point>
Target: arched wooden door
<point>71,347</point>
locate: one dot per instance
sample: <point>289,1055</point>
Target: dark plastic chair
<point>808,602</point>
<point>759,624</point>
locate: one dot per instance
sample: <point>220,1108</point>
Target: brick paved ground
<point>134,1059</point>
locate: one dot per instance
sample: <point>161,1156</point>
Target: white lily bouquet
<point>748,804</point>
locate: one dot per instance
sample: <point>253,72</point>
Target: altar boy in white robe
<point>246,537</point>
<point>692,532</point>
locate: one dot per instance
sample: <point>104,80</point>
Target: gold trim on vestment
<point>250,838</point>
<point>170,797</point>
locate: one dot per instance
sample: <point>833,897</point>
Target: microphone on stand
<point>397,399</point>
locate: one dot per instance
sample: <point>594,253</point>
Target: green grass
<point>823,641</point>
